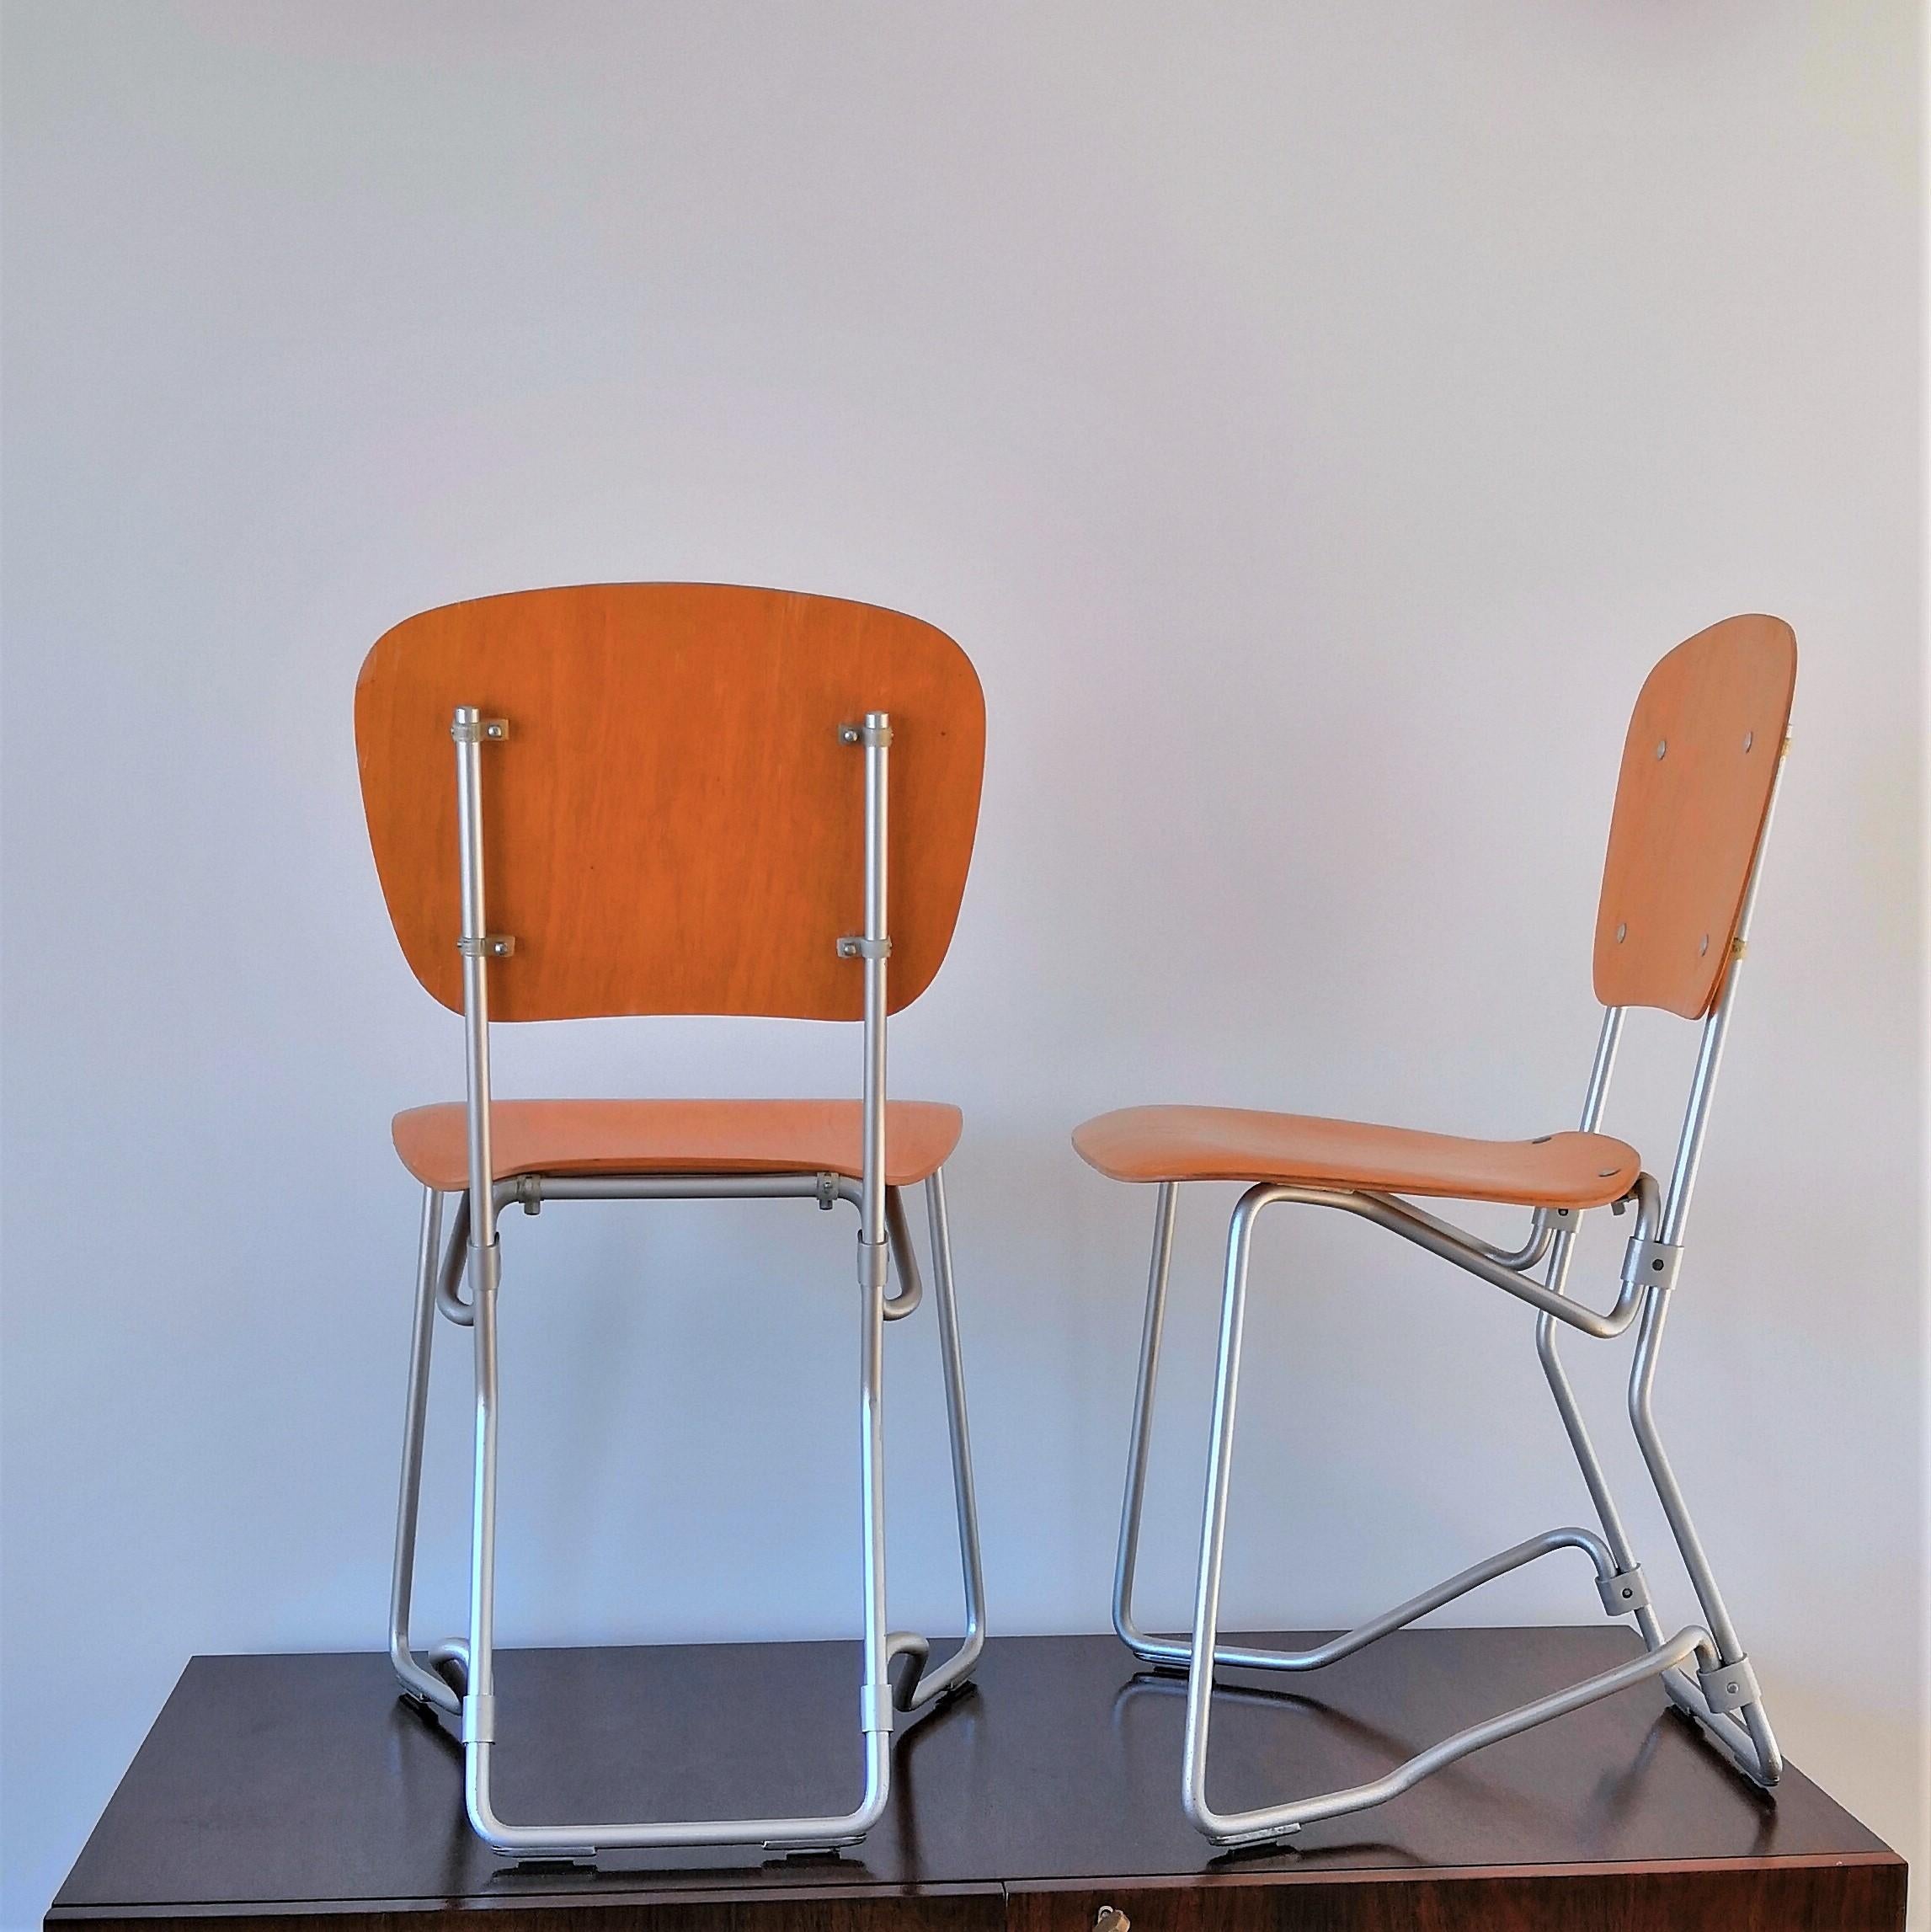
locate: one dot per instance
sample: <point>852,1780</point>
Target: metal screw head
<point>1110,1919</point>
<point>1622,933</point>
<point>1662,745</point>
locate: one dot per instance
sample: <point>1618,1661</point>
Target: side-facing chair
<point>673,798</point>
<point>1699,775</point>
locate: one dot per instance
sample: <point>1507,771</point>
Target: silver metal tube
<point>1595,1095</point>
<point>1532,1250</point>
<point>479,1706</point>
<point>479,1703</point>
<point>959,1665</point>
<point>420,1683</point>
<point>1758,1749</point>
<point>454,1260</point>
<point>1237,1656</point>
<point>1213,1510</point>
<point>872,1210</point>
<point>475,977</point>
<point>1276,1820</point>
<point>540,1188</point>
<point>1710,1052</point>
<point>1139,1436</point>
<point>1438,1238</point>
<point>904,1259</point>
<point>875,1688</point>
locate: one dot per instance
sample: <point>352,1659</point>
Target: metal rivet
<point>1603,1173</point>
<point>1622,933</point>
<point>1542,1140</point>
<point>1749,739</point>
<point>1705,948</point>
<point>1662,745</point>
<point>1110,1919</point>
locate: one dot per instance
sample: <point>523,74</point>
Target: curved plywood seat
<point>676,1137</point>
<point>1240,1143</point>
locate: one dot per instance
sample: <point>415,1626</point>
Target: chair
<point>677,798</point>
<point>1699,780</point>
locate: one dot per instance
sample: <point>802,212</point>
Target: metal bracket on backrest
<point>856,946</point>
<point>491,946</point>
<point>879,734</point>
<point>476,731</point>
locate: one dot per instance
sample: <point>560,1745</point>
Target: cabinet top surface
<point>271,1782</point>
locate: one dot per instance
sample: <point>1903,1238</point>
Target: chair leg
<point>1725,1690</point>
<point>954,1673</point>
<point>425,1685</point>
<point>1149,1650</point>
<point>479,1703</point>
<point>1625,1592</point>
<point>1265,1823</point>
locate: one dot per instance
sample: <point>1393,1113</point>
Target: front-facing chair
<point>673,798</point>
<point>1698,778</point>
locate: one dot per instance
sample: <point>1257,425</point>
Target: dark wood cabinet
<point>1046,1800</point>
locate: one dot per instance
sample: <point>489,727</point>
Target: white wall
<point>1312,420</point>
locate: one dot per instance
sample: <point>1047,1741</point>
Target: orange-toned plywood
<point>673,825</point>
<point>675,1137</point>
<point>1698,767</point>
<point>1238,1143</point>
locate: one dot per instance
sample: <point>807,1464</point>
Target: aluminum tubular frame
<point>1721,1694</point>
<point>458,1677</point>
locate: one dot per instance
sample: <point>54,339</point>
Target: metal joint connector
<point>1652,1264</point>
<point>1730,1686</point>
<point>873,1262</point>
<point>856,946</point>
<point>491,946</point>
<point>869,735</point>
<point>480,730</point>
<point>1623,1593</point>
<point>530,1192</point>
<point>827,1192</point>
<point>479,1720</point>
<point>485,1270</point>
<point>875,1707</point>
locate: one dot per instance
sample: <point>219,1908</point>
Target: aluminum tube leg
<point>479,1702</point>
<point>1139,1438</point>
<point>1750,1741</point>
<point>417,1682</point>
<point>1598,1484</point>
<point>958,1667</point>
<point>875,1689</point>
<point>1213,1511</point>
<point>479,1722</point>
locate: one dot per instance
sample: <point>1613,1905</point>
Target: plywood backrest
<point>1698,768</point>
<point>672,825</point>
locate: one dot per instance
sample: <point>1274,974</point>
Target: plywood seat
<point>1242,1143</point>
<point>676,1137</point>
